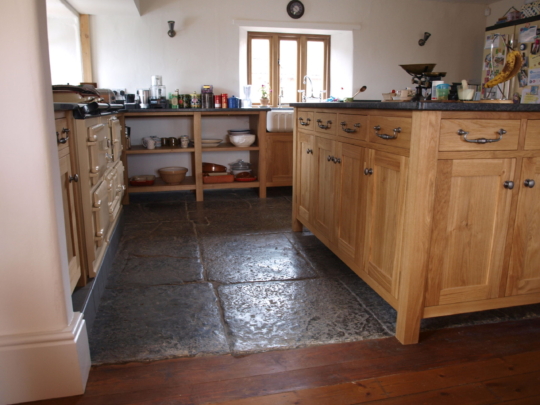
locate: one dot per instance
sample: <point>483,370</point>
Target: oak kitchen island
<point>434,205</point>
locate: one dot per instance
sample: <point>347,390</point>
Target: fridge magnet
<point>534,77</point>
<point>525,60</point>
<point>523,47</point>
<point>534,61</point>
<point>535,48</point>
<point>523,78</point>
<point>528,98</point>
<point>492,40</point>
<point>534,90</point>
<point>527,34</point>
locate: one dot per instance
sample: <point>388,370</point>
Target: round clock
<point>295,9</point>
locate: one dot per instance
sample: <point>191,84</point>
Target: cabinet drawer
<point>460,134</point>
<point>392,131</point>
<point>532,137</point>
<point>352,126</point>
<point>62,133</point>
<point>305,120</point>
<point>325,123</point>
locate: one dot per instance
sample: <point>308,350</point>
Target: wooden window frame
<point>302,40</point>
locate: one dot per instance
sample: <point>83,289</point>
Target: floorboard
<point>486,364</point>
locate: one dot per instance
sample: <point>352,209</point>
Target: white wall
<point>127,51</point>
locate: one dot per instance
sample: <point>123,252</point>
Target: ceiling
<point>486,2</point>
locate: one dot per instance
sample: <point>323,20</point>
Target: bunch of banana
<point>510,69</point>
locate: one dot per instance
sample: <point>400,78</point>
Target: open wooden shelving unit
<point>257,125</point>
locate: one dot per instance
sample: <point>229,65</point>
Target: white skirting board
<point>45,365</point>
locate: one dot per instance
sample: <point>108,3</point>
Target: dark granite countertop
<point>149,110</point>
<point>426,106</point>
<point>65,106</point>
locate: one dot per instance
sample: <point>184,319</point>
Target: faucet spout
<point>311,83</point>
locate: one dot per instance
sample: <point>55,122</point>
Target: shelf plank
<point>140,150</point>
<point>228,147</point>
<point>234,184</point>
<point>160,185</point>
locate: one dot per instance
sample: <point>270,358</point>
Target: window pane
<point>315,67</point>
<point>260,67</point>
<point>288,67</point>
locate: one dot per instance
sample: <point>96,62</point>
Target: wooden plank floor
<point>487,364</point>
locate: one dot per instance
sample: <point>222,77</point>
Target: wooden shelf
<point>234,184</point>
<point>225,147</point>
<point>141,150</point>
<point>160,185</point>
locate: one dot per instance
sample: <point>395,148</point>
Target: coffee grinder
<point>158,94</point>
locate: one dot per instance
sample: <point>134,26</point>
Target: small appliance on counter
<point>158,94</point>
<point>423,76</point>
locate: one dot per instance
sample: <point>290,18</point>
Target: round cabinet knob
<point>368,172</point>
<point>529,183</point>
<point>74,178</point>
<point>509,185</point>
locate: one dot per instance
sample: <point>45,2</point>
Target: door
<point>99,152</point>
<point>116,138</point>
<point>305,165</point>
<point>524,274</point>
<point>471,214</point>
<point>70,221</point>
<point>324,182</point>
<point>279,158</point>
<point>387,181</point>
<point>349,200</point>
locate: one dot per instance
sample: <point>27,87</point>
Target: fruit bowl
<point>243,140</point>
<point>173,175</point>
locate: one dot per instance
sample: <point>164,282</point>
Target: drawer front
<point>325,123</point>
<point>100,209</point>
<point>479,135</point>
<point>391,131</point>
<point>62,133</point>
<point>353,126</point>
<point>532,137</point>
<point>305,120</point>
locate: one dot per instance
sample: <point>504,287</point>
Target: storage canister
<point>217,101</point>
<point>207,100</point>
<point>224,103</point>
<point>234,102</point>
<point>195,100</point>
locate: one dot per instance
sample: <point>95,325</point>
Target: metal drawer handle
<point>463,133</point>
<point>529,183</point>
<point>305,124</point>
<point>509,185</point>
<point>330,158</point>
<point>337,160</point>
<point>309,151</point>
<point>377,128</point>
<point>327,126</point>
<point>368,172</point>
<point>74,178</point>
<point>65,139</point>
<point>349,130</point>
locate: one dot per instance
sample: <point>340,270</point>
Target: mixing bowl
<point>242,141</point>
<point>173,175</point>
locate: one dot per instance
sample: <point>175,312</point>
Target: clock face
<point>295,9</point>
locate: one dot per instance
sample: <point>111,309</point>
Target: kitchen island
<point>434,205</point>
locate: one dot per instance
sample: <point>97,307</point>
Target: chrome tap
<point>305,82</point>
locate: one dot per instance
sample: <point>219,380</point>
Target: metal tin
<point>187,100</point>
<point>234,102</point>
<point>224,100</point>
<point>195,100</point>
<point>207,100</point>
<point>217,101</point>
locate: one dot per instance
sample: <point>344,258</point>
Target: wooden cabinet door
<point>387,181</point>
<point>471,214</point>
<point>305,159</point>
<point>279,160</point>
<point>350,200</point>
<point>524,274</point>
<point>324,182</point>
<point>70,221</point>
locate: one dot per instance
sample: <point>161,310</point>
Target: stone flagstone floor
<point>227,276</point>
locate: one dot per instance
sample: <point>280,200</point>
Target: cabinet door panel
<point>279,158</point>
<point>116,138</point>
<point>384,227</point>
<point>524,275</point>
<point>324,183</point>
<point>304,161</point>
<point>472,209</point>
<point>349,198</point>
<point>70,222</point>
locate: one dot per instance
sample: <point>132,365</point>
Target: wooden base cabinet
<point>436,223</point>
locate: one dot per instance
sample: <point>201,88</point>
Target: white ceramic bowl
<point>242,141</point>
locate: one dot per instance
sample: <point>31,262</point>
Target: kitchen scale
<point>422,75</point>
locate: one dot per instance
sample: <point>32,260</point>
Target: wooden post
<point>419,200</point>
<point>86,51</point>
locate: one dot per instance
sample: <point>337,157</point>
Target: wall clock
<point>295,9</point>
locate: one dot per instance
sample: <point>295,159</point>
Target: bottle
<point>174,99</point>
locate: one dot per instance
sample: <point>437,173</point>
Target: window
<point>280,62</point>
